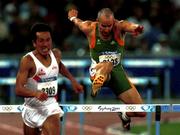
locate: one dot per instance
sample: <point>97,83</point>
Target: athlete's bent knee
<point>108,66</point>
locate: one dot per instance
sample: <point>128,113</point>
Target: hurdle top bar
<point>101,108</point>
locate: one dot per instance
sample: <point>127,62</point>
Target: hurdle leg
<point>149,114</point>
<point>63,121</point>
<point>158,118</point>
<point>81,115</point>
<point>12,93</point>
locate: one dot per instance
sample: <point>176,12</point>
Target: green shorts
<point>118,81</point>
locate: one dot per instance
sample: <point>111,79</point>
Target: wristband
<point>72,18</point>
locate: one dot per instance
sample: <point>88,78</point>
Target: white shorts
<point>35,117</point>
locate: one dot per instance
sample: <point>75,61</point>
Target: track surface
<point>94,123</point>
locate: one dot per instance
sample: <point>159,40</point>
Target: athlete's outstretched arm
<point>84,26</point>
<point>65,72</point>
<point>130,27</point>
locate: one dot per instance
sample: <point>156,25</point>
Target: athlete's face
<point>43,42</point>
<point>106,25</point>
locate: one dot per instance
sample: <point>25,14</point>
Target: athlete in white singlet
<point>36,81</point>
<point>45,79</point>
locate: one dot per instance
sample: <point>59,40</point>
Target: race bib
<point>49,88</point>
<point>114,58</point>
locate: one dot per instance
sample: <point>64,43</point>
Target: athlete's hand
<point>77,87</point>
<point>72,13</point>
<point>41,95</point>
<point>139,29</point>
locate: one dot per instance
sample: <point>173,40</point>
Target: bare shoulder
<point>57,54</point>
<point>93,24</point>
<point>26,61</point>
<point>89,23</point>
<point>120,22</point>
<point>27,58</point>
<point>86,26</point>
<point>91,27</point>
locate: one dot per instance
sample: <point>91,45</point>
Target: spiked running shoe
<point>97,84</point>
<point>125,122</point>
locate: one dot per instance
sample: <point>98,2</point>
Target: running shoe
<point>126,121</point>
<point>97,84</point>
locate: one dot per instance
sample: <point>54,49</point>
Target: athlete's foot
<point>126,121</point>
<point>97,84</point>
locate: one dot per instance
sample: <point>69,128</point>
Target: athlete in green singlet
<point>106,42</point>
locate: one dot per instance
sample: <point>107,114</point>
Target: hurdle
<point>158,118</point>
<point>83,108</point>
<point>77,108</point>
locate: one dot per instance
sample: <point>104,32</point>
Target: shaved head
<point>106,12</point>
<point>105,21</point>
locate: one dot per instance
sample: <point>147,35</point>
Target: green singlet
<point>113,52</point>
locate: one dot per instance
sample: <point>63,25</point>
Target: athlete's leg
<point>126,92</point>
<point>102,73</point>
<point>132,96</point>
<point>52,125</point>
<point>104,68</point>
<point>31,131</point>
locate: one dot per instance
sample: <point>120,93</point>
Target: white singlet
<point>35,111</point>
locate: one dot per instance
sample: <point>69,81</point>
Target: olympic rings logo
<point>87,108</point>
<point>130,108</point>
<point>109,56</point>
<point>7,108</point>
